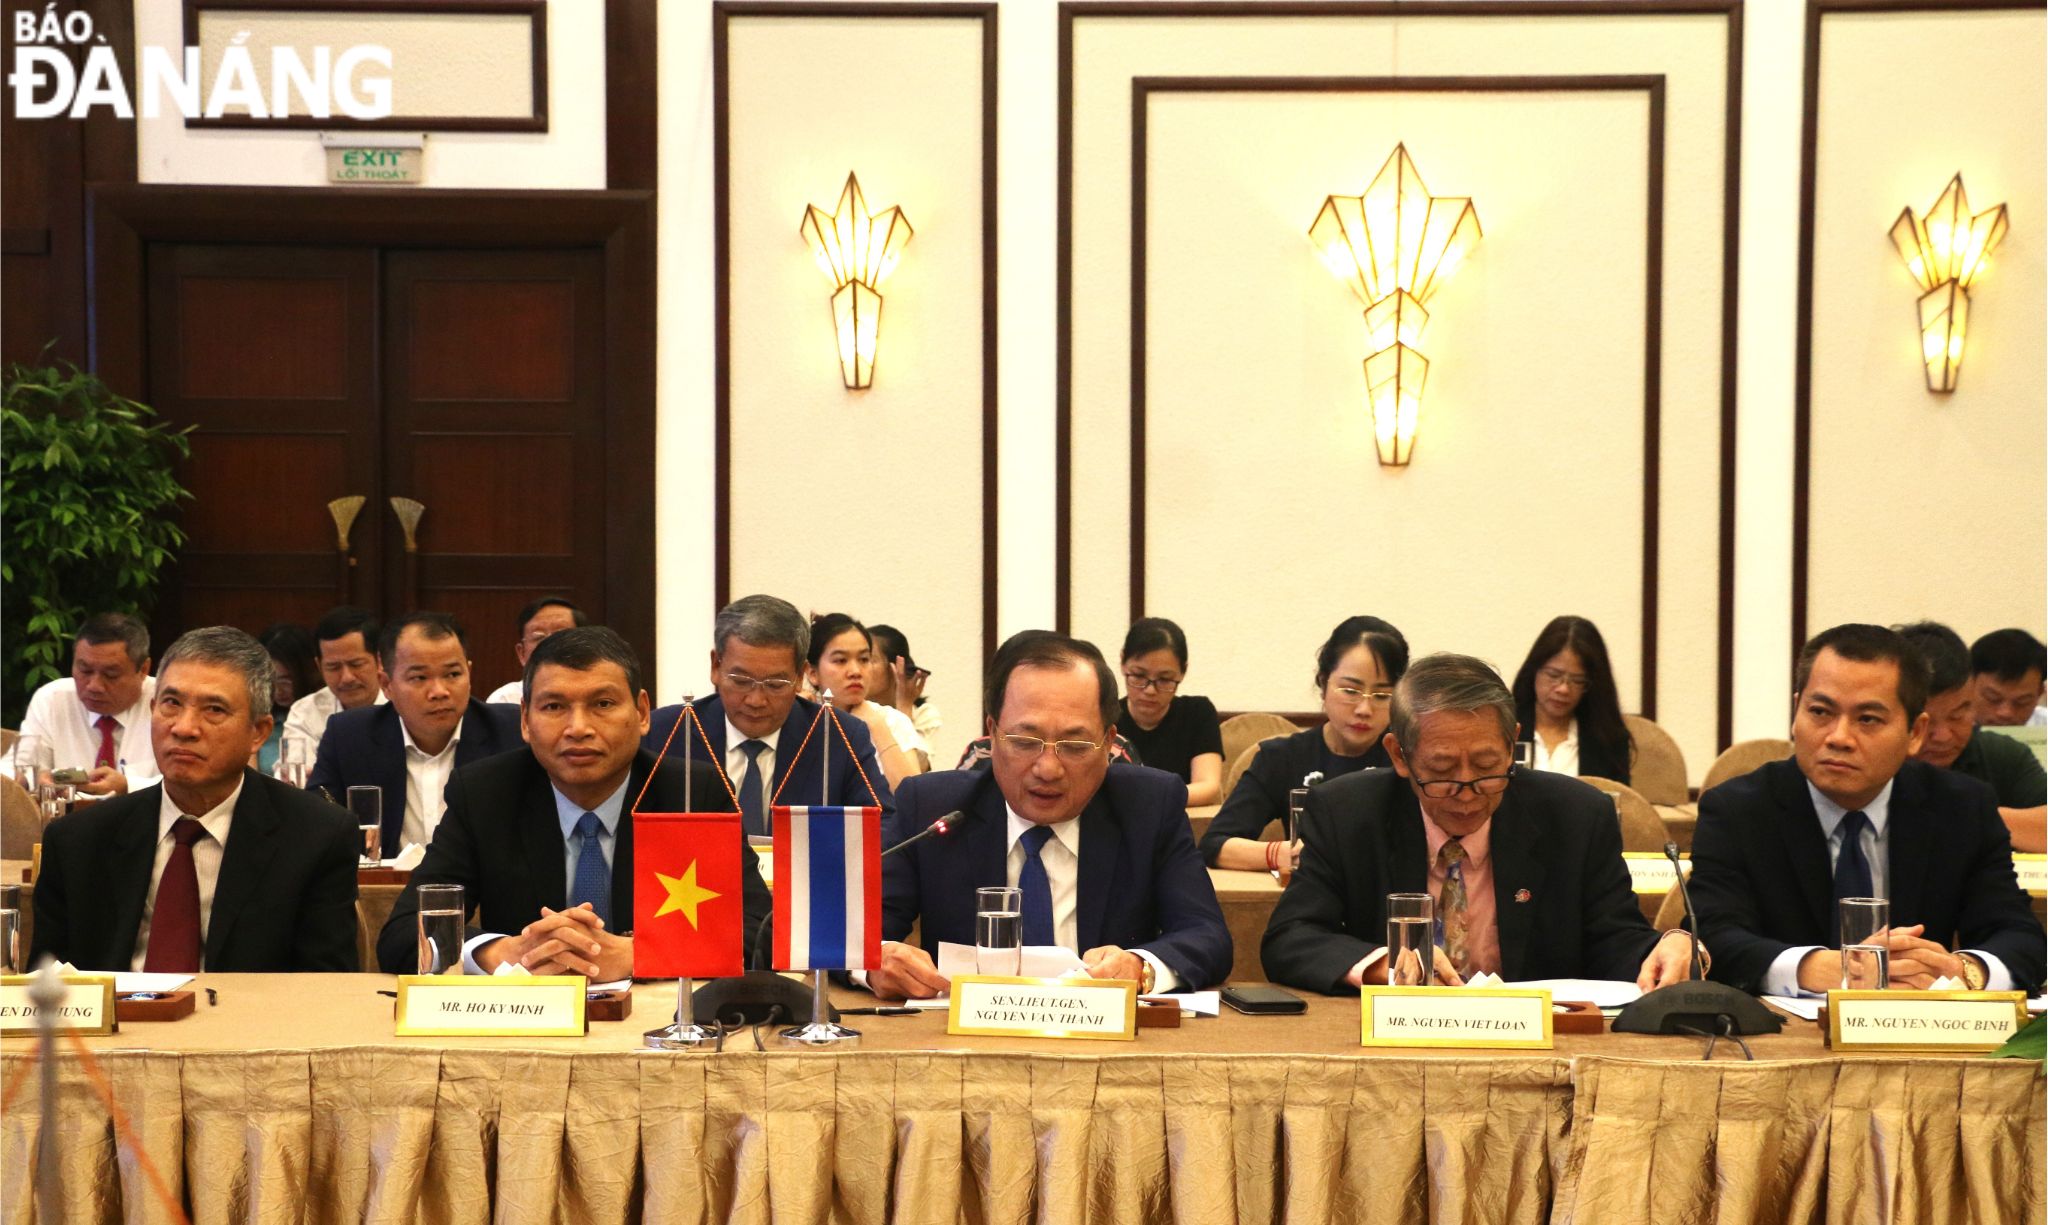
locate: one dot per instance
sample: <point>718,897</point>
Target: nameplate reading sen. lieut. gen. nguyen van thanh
<point>1000,1006</point>
<point>486,1006</point>
<point>88,1006</point>
<point>1923,1020</point>
<point>1505,1017</point>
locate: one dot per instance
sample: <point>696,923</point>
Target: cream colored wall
<point>866,502</point>
<point>1927,505</point>
<point>441,63</point>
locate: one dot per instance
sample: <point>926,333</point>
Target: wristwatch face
<point>1973,973</point>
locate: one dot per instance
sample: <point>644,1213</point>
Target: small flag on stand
<point>828,888</point>
<point>688,900</point>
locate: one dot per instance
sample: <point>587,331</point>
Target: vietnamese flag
<point>688,902</point>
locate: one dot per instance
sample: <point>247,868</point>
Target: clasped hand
<point>907,972</point>
<point>571,941</point>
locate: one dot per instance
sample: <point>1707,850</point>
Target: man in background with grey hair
<point>216,868</point>
<point>757,723</point>
<point>1525,867</point>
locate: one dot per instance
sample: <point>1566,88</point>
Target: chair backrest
<point>1659,768</point>
<point>1641,829</point>
<point>1741,757</point>
<point>1242,731</point>
<point>9,737</point>
<point>20,825</point>
<point>1671,914</point>
<point>1238,765</point>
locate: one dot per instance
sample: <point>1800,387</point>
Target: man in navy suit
<point>757,725</point>
<point>1102,853</point>
<point>409,746</point>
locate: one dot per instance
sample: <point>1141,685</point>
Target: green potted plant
<point>89,494</point>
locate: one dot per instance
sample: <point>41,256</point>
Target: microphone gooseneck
<point>1692,920</point>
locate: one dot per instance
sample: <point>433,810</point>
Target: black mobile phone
<point>1264,1001</point>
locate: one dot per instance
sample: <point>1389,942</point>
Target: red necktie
<point>108,725</point>
<point>174,924</point>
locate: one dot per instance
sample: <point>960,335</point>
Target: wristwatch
<point>1973,972</point>
<point>1150,976</point>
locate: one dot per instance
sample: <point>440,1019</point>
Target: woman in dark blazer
<point>1567,704</point>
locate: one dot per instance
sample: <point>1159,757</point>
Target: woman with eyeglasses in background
<point>1180,735</point>
<point>1356,669</point>
<point>1567,704</point>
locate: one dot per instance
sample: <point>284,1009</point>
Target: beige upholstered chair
<point>1671,914</point>
<point>1740,758</point>
<point>1242,731</point>
<point>1641,830</point>
<point>1658,771</point>
<point>20,826</point>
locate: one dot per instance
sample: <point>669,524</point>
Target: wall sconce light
<point>1393,247</point>
<point>1947,250</point>
<point>857,251</point>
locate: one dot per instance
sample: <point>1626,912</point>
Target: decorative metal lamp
<point>1393,247</point>
<point>857,251</point>
<point>1947,250</point>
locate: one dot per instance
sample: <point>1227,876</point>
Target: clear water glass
<point>1866,943</point>
<point>440,929</point>
<point>1525,754</point>
<point>10,930</point>
<point>292,768</point>
<point>1411,944</point>
<point>999,931</point>
<point>367,803</point>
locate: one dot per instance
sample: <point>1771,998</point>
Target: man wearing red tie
<point>96,719</point>
<point>216,868</point>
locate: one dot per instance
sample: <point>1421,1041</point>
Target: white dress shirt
<point>426,778</point>
<point>1783,976</point>
<point>1562,760</point>
<point>900,725</point>
<point>57,722</point>
<point>206,853</point>
<point>1061,857</point>
<point>510,692</point>
<point>568,814</point>
<point>306,722</point>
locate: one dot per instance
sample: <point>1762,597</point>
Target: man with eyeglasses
<point>1101,852</point>
<point>550,614</point>
<point>757,724</point>
<point>1525,868</point>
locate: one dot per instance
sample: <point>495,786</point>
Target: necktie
<point>593,881</point>
<point>750,788</point>
<point>174,923</point>
<point>1036,887</point>
<point>1450,904</point>
<point>1852,870</point>
<point>108,725</point>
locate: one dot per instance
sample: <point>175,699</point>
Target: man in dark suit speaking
<point>217,868</point>
<point>541,838</point>
<point>1525,867</point>
<point>1850,815</point>
<point>1102,853</point>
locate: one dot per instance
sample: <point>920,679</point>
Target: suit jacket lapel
<point>1407,846</point>
<point>252,844</point>
<point>1909,844</point>
<point>1101,843</point>
<point>479,735</point>
<point>387,753</point>
<point>130,862</point>
<point>659,800</point>
<point>795,788</point>
<point>1517,866</point>
<point>540,834</point>
<point>1805,846</point>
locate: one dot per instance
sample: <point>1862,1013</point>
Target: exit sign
<point>373,159</point>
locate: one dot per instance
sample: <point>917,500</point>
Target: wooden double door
<point>469,381</point>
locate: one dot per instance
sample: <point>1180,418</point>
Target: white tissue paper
<point>410,857</point>
<point>1483,979</point>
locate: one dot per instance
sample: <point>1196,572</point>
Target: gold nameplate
<point>491,1006</point>
<point>2032,871</point>
<point>998,1006</point>
<point>88,1006</point>
<point>1650,872</point>
<point>1492,1017</point>
<point>1923,1020</point>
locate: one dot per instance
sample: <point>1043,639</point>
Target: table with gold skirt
<point>290,1100</point>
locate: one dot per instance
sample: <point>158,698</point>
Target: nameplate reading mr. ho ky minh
<point>475,1006</point>
<point>996,1006</point>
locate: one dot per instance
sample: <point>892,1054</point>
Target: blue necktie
<point>1852,870</point>
<point>750,788</point>
<point>593,881</point>
<point>1037,888</point>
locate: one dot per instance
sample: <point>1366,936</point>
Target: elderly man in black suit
<point>1525,867</point>
<point>1852,815</point>
<point>216,868</point>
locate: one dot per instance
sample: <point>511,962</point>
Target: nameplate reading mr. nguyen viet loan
<point>479,1006</point>
<point>1508,1017</point>
<point>997,1006</point>
<point>1923,1020</point>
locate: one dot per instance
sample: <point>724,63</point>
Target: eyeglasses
<point>1163,684</point>
<point>776,686</point>
<point>1445,788</point>
<point>1069,750</point>
<point>1378,697</point>
<point>1557,676</point>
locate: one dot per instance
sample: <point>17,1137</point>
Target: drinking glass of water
<point>441,914</point>
<point>10,930</point>
<point>367,803</point>
<point>1525,755</point>
<point>1411,942</point>
<point>999,931</point>
<point>292,766</point>
<point>1866,943</point>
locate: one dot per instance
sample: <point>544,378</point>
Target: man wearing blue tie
<point>1851,815</point>
<point>757,724</point>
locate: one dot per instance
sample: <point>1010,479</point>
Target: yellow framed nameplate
<point>2032,871</point>
<point>88,1006</point>
<point>1923,1020</point>
<point>1515,1018</point>
<point>491,1006</point>
<point>1650,872</point>
<point>999,1006</point>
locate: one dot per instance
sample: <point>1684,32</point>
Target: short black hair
<point>1046,649</point>
<point>2008,654</point>
<point>580,650</point>
<point>889,643</point>
<point>1869,644</point>
<point>1948,660</point>
<point>347,619</point>
<point>107,627</point>
<point>1149,634</point>
<point>292,645</point>
<point>433,626</point>
<point>532,610</point>
<point>827,626</point>
<point>1380,637</point>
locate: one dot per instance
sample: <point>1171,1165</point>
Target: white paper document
<point>1599,992</point>
<point>1195,1003</point>
<point>126,983</point>
<point>1040,961</point>
<point>1805,1010</point>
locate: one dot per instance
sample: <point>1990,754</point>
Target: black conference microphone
<point>1699,1008</point>
<point>1692,918</point>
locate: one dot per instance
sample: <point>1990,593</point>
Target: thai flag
<point>828,888</point>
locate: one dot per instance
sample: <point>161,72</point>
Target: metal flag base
<point>822,1032</point>
<point>684,1034</point>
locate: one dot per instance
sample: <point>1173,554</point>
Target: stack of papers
<point>1600,992</point>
